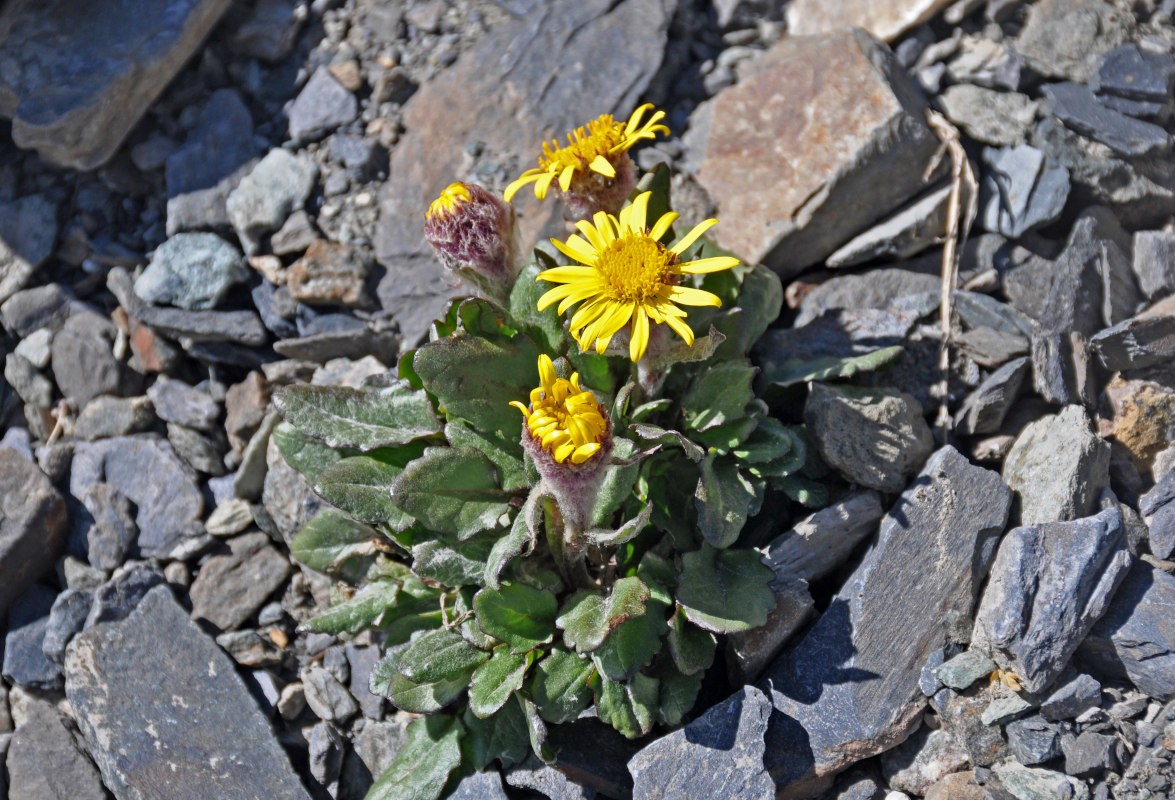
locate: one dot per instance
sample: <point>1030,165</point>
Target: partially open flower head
<point>472,231</point>
<point>593,169</point>
<point>563,419</point>
<point>627,277</point>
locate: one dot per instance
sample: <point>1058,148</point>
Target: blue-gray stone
<point>32,525</point>
<point>1089,754</point>
<point>65,619</point>
<point>1158,508</point>
<point>25,663</point>
<point>176,401</point>
<point>321,106</point>
<point>1079,109</point>
<point>190,270</point>
<point>1033,740</point>
<point>46,760</point>
<point>1022,188</point>
<point>1138,342</point>
<point>1034,783</point>
<point>964,669</point>
<point>276,187</point>
<point>363,158</point>
<point>1004,709</point>
<point>985,408</point>
<point>118,597</point>
<point>1072,698</point>
<point>1131,71</point>
<point>1048,586</point>
<point>480,786</point>
<point>928,680</point>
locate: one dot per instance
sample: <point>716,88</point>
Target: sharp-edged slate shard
<point>32,525</point>
<point>173,722</point>
<point>1079,108</point>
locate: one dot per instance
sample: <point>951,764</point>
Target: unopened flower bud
<point>472,232</point>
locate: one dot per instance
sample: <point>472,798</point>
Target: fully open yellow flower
<point>628,277</point>
<point>592,148</point>
<point>564,419</point>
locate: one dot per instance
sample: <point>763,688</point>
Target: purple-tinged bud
<point>473,233</point>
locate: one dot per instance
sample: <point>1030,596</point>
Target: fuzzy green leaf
<point>759,302</point>
<point>630,707</point>
<point>305,453</point>
<point>544,327</point>
<point>560,685</point>
<point>439,655</point>
<point>425,698</point>
<point>417,608</point>
<point>365,608</point>
<point>536,729</point>
<point>588,616</point>
<point>504,451</point>
<point>653,433</point>
<point>361,418</point>
<point>618,482</point>
<point>795,371</point>
<point>361,486</point>
<point>453,563</point>
<point>519,615</point>
<point>451,490</point>
<point>633,644</point>
<point>503,735</point>
<point>497,679</point>
<point>725,591</point>
<point>725,438</point>
<point>628,531</point>
<point>723,499</point>
<point>718,395</point>
<point>691,647</point>
<point>771,441</point>
<point>521,538</point>
<point>335,544</point>
<point>803,491</point>
<point>677,694</point>
<point>423,765</point>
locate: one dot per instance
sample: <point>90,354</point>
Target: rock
<point>850,688</point>
<point>201,452</point>
<point>874,437</point>
<point>996,118</point>
<point>25,664</point>
<point>1158,508</point>
<point>249,482</point>
<point>1136,637</point>
<point>171,706</point>
<point>985,408</point>
<point>919,762</point>
<point>104,417</point>
<point>720,754</point>
<point>35,348</point>
<point>330,274</point>
<point>28,232</point>
<point>231,587</point>
<point>245,405</point>
<point>836,333</point>
<point>750,651</point>
<point>1049,584</point>
<point>275,188</point>
<point>1004,709</point>
<point>112,535</point>
<point>115,599</point>
<point>1154,262</point>
<point>168,504</point>
<point>1029,783</point>
<point>84,365</point>
<point>928,680</point>
<point>32,526</point>
<point>326,756</point>
<point>190,270</point>
<point>881,142</point>
<point>1080,110</point>
<point>885,20</point>
<point>906,232</point>
<point>852,785</point>
<point>1034,740</point>
<point>231,516</point>
<point>964,669</point>
<point>328,698</point>
<point>47,760</point>
<point>480,786</point>
<point>1067,38</point>
<point>1057,467</point>
<point>546,781</point>
<point>1021,188</point>
<point>321,106</point>
<point>30,385</point>
<point>251,649</point>
<point>960,714</point>
<point>40,307</point>
<point>66,618</point>
<point>1141,341</point>
<point>362,661</point>
<point>1129,71</point>
<point>176,401</point>
<point>821,542</point>
<point>363,158</point>
<point>377,338</point>
<point>957,786</point>
<point>569,50</point>
<point>1072,699</point>
<point>295,235</point>
<point>269,32</point>
<point>217,153</point>
<point>1089,754</point>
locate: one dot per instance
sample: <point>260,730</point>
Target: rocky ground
<point>201,201</point>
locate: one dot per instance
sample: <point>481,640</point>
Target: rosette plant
<point>543,512</point>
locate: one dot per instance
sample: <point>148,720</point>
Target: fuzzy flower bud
<point>472,232</point>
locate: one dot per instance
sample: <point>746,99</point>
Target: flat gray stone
<point>996,118</point>
<point>321,106</point>
<point>1080,109</point>
<point>881,288</point>
<point>231,587</point>
<point>190,270</point>
<point>84,365</point>
<point>25,663</point>
<point>850,688</point>
<point>1072,699</point>
<point>155,717</point>
<point>960,714</point>
<point>47,306</point>
<point>1004,709</point>
<point>1033,740</point>
<point>1057,467</point>
<point>720,754</point>
<point>1067,38</point>
<point>176,401</point>
<point>32,526</point>
<point>1049,585</point>
<point>1021,189</point>
<point>1090,754</point>
<point>105,416</point>
<point>905,233</point>
<point>984,410</point>
<point>327,697</point>
<point>29,384</point>
<point>73,91</point>
<point>28,232</point>
<point>1158,509</point>
<point>66,618</point>
<point>47,759</point>
<point>480,786</point>
<point>113,533</point>
<point>1154,262</point>
<point>274,189</point>
<point>915,764</point>
<point>886,20</point>
<point>1034,783</point>
<point>964,669</point>
<point>1138,342</point>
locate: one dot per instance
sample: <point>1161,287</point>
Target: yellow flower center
<point>635,267</point>
<point>564,419</point>
<point>454,195</point>
<point>584,143</point>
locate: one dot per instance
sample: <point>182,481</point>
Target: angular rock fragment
<point>1142,341</point>
<point>960,714</point>
<point>25,663</point>
<point>985,408</point>
<point>917,763</point>
<point>964,669</point>
<point>1021,188</point>
<point>1034,782</point>
<point>1154,262</point>
<point>274,189</point>
<point>1034,740</point>
<point>1079,109</point>
<point>996,118</point>
<point>321,106</point>
<point>32,525</point>
<point>155,718</point>
<point>46,758</point>
<point>1067,38</point>
<point>907,232</point>
<point>886,19</point>
<point>190,270</point>
<point>231,587</point>
<point>1072,698</point>
<point>1158,508</point>
<point>28,231</point>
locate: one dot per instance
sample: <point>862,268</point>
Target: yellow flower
<point>628,277</point>
<point>564,419</point>
<point>594,149</point>
<point>454,195</point>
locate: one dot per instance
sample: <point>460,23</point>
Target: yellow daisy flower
<point>564,419</point>
<point>591,148</point>
<point>628,277</point>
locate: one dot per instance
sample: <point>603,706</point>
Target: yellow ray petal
<point>692,236</point>
<point>566,176</point>
<point>639,211</point>
<point>639,340</point>
<point>603,166</point>
<point>571,272</point>
<point>591,234</point>
<point>683,330</point>
<point>576,248</point>
<point>703,265</point>
<point>693,297</point>
<point>663,225</point>
<point>546,371</point>
<point>530,176</point>
<point>544,183</point>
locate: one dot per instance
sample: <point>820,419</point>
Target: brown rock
<point>885,19</point>
<point>32,525</point>
<point>839,128</point>
<point>957,786</point>
<point>329,273</point>
<point>1143,415</point>
<point>245,405</point>
<point>231,587</point>
<point>347,74</point>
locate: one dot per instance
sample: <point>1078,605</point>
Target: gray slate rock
<point>176,401</point>
<point>1021,189</point>
<point>907,232</point>
<point>30,385</point>
<point>32,525</point>
<point>1154,262</point>
<point>1049,585</point>
<point>168,502</point>
<point>547,781</point>
<point>960,714</point>
<point>1057,467</point>
<point>73,91</point>
<point>84,365</point>
<point>818,544</point>
<point>202,452</point>
<point>28,231</point>
<point>47,759</point>
<point>190,270</point>
<point>112,535</point>
<point>876,288</point>
<point>325,755</point>
<point>1079,108</point>
<point>1138,73</point>
<point>874,437</point>
<point>480,786</point>
<point>327,697</point>
<point>47,306</point>
<point>983,410</point>
<point>105,416</point>
<point>720,754</point>
<point>964,669</point>
<point>1072,699</point>
<point>231,587</point>
<point>171,707</point>
<point>1138,342</point>
<point>991,117</point>
<point>1034,783</point>
<point>66,618</point>
<point>275,188</point>
<point>321,106</point>
<point>115,599</point>
<point>1158,508</point>
<point>915,764</point>
<point>362,661</point>
<point>1067,38</point>
<point>1034,740</point>
<point>1136,637</point>
<point>270,31</point>
<point>1004,709</point>
<point>850,688</point>
<point>1089,754</point>
<point>25,663</point>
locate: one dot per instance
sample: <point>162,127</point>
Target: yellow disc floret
<point>564,419</point>
<point>454,195</point>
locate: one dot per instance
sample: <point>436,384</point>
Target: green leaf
<point>365,608</point>
<point>618,482</point>
<point>360,418</point>
<point>760,300</point>
<point>718,395</point>
<point>628,531</point>
<point>475,378</point>
<point>802,490</point>
<point>335,544</point>
<point>423,764</point>
<point>503,451</point>
<point>406,372</point>
<point>497,679</point>
<point>503,735</point>
<point>771,441</point>
<point>520,616</point>
<point>691,648</point>
<point>588,616</point>
<point>482,317</point>
<point>633,644</point>
<point>453,564</point>
<point>361,486</point>
<point>725,438</point>
<point>725,591</point>
<point>468,628</point>
<point>451,490</point>
<point>417,608</point>
<point>521,538</point>
<point>677,695</point>
<point>795,371</point>
<point>536,729</point>
<point>544,327</point>
<point>629,707</point>
<point>425,698</point>
<point>723,500</point>
<point>305,453</point>
<point>560,685</point>
<point>439,655</point>
<point>653,433</point>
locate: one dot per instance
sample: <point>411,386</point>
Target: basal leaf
<point>718,395</point>
<point>536,729</point>
<point>503,735</point>
<point>361,418</point>
<point>454,563</point>
<point>691,648</point>
<point>361,486</point>
<point>618,482</point>
<point>504,451</point>
<point>632,645</point>
<point>365,608</point>
<point>521,539</point>
<point>305,453</point>
<point>517,614</point>
<point>723,499</point>
<point>560,685</point>
<point>804,491</point>
<point>423,764</point>
<point>335,544</point>
<point>589,616</point>
<point>725,591</point>
<point>439,655</point>
<point>451,490</point>
<point>653,433</point>
<point>629,707</point>
<point>628,531</point>
<point>759,302</point>
<point>677,694</point>
<point>771,441</point>
<point>497,679</point>
<point>425,698</point>
<point>796,371</point>
<point>418,607</point>
<point>544,327</point>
